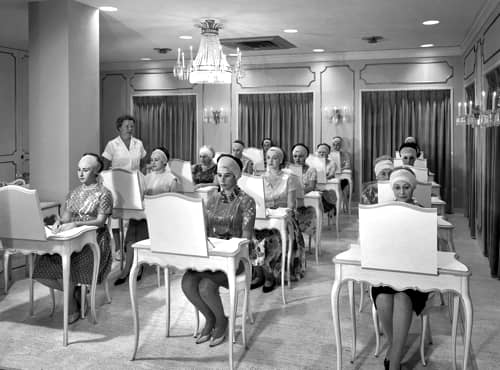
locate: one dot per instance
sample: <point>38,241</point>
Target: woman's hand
<point>58,227</point>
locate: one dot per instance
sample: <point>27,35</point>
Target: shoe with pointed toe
<point>268,288</point>
<point>216,341</point>
<point>121,280</point>
<point>203,338</point>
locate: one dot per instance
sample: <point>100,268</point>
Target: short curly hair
<point>121,119</point>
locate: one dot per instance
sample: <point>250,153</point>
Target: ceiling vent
<point>258,43</point>
<point>372,39</point>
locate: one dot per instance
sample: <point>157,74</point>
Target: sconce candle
<point>493,101</point>
<point>459,109</point>
<point>483,100</point>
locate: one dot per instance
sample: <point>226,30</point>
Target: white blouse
<point>122,157</point>
<point>157,183</point>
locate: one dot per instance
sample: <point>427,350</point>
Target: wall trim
<point>406,83</point>
<point>15,105</point>
<point>472,49</point>
<point>481,19</point>
<point>482,43</point>
<point>191,87</point>
<point>308,68</point>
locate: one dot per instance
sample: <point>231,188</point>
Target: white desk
<point>452,276</point>
<point>64,244</point>
<point>277,219</point>
<point>224,257</point>
<point>333,184</point>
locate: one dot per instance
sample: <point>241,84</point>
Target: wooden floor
<point>298,335</point>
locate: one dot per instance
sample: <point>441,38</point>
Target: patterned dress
<point>369,194</point>
<point>84,203</point>
<point>267,251</point>
<point>203,176</point>
<point>306,216</point>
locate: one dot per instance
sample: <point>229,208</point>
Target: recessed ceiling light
<point>426,45</point>
<point>186,37</point>
<point>108,8</point>
<point>290,30</point>
<point>145,58</point>
<point>319,50</point>
<point>430,22</point>
<point>233,54</point>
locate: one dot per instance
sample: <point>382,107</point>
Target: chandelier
<point>479,115</point>
<point>210,65</point>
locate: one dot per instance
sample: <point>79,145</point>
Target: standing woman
<point>125,151</point>
<point>88,204</point>
<point>205,171</point>
<point>229,213</point>
<point>395,307</point>
<point>279,191</point>
<point>158,181</point>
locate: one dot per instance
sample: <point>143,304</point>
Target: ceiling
<point>334,25</point>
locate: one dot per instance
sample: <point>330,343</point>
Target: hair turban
<point>383,163</point>
<point>92,161</point>
<point>300,148</point>
<point>403,174</point>
<point>161,154</point>
<point>231,164</point>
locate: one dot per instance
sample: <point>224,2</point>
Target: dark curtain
<point>491,207</point>
<point>470,168</point>
<point>286,118</point>
<point>168,121</point>
<point>388,117</point>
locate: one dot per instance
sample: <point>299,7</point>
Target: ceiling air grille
<point>258,43</point>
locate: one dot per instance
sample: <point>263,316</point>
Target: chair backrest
<point>125,187</point>
<point>176,224</point>
<point>254,187</point>
<point>182,170</point>
<point>422,193</point>
<point>320,165</point>
<point>20,214</point>
<point>217,155</point>
<point>256,155</point>
<point>296,169</point>
<point>398,236</point>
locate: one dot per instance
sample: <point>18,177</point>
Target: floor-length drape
<point>388,117</point>
<point>470,169</point>
<point>168,121</point>
<point>287,118</point>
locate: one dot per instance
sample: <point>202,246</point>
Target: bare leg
<point>385,309</point>
<point>401,325</point>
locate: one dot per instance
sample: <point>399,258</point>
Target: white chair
<point>256,155</point>
<point>22,231</point>
<point>419,254</point>
<point>269,219</point>
<point>178,238</point>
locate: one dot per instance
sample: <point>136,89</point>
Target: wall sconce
<point>215,116</point>
<point>336,114</point>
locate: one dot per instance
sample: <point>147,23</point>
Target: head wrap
<point>277,150</point>
<point>231,164</point>
<point>161,154</point>
<point>410,139</point>
<point>92,161</point>
<point>325,145</point>
<point>205,149</point>
<point>337,138</point>
<point>408,149</point>
<point>403,174</point>
<point>300,148</point>
<point>382,163</point>
<point>240,143</point>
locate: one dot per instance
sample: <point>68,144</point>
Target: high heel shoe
<point>386,364</point>
<point>121,280</point>
<point>202,338</point>
<point>216,341</point>
<point>268,288</point>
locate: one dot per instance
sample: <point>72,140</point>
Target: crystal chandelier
<point>479,116</point>
<point>210,65</point>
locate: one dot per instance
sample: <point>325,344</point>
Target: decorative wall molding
<point>13,135</point>
<point>406,73</point>
<point>481,19</point>
<point>157,81</point>
<point>301,76</point>
<point>470,62</point>
<point>490,46</point>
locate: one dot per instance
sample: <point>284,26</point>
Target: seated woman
<point>88,204</point>
<point>382,167</point>
<point>204,172</point>
<point>306,216</point>
<point>328,198</point>
<point>158,181</point>
<point>230,213</point>
<point>279,191</point>
<point>409,152</point>
<point>395,307</point>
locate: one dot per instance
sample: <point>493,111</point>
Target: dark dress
<point>418,298</point>
<point>203,176</point>
<point>84,203</point>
